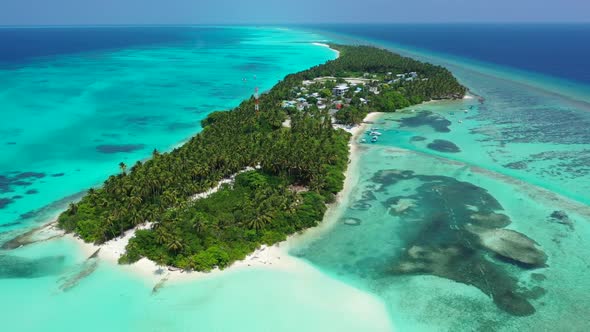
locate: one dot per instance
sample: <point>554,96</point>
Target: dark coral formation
<point>457,233</point>
<point>517,165</point>
<point>19,179</point>
<point>85,269</point>
<point>418,139</point>
<point>20,267</point>
<point>427,118</point>
<point>561,217</point>
<point>443,146</point>
<point>114,148</point>
<point>4,202</point>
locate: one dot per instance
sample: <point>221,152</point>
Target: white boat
<point>375,133</point>
<point>374,139</point>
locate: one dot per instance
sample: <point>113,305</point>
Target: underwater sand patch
<point>402,205</point>
<point>492,220</point>
<point>510,244</point>
<point>352,221</point>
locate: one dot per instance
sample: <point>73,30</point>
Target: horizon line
<point>268,24</point>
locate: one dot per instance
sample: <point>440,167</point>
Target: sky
<point>88,12</point>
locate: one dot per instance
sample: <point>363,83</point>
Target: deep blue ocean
<point>77,101</point>
<point>559,50</point>
<point>18,45</point>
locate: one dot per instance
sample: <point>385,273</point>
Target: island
<point>253,177</point>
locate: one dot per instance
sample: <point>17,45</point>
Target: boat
<point>363,140</point>
<point>375,133</point>
<point>460,121</point>
<point>374,139</point>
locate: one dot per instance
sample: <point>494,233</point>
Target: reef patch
<point>427,118</point>
<point>122,148</point>
<point>442,145</point>
<point>21,268</point>
<point>454,229</point>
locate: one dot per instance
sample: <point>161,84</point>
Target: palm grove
<point>265,204</point>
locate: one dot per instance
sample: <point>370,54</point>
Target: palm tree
<point>161,236</point>
<point>175,245</point>
<point>155,153</point>
<point>260,221</point>
<point>72,209</point>
<point>123,167</point>
<point>136,218</point>
<point>135,201</point>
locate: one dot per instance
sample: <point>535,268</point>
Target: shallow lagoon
<point>498,157</point>
<point>367,255</point>
<point>451,161</point>
<point>70,119</point>
<point>73,118</point>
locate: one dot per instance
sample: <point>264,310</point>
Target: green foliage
<point>260,208</point>
<point>351,115</point>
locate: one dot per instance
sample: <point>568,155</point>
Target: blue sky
<point>70,12</point>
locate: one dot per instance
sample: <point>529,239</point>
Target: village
<point>335,93</point>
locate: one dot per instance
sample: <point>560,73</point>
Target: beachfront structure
<point>340,90</point>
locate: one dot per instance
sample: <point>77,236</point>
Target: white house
<point>340,90</point>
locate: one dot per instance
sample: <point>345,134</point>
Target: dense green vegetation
<point>263,206</point>
<point>229,224</point>
<point>381,66</point>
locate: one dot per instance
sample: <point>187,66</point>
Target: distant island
<point>286,162</point>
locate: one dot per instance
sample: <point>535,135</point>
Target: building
<point>340,90</point>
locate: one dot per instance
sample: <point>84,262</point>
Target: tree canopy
<point>262,206</point>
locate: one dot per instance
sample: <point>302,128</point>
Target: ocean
<point>557,50</point>
<point>515,154</point>
<point>77,101</point>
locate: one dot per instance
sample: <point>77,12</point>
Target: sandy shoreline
<point>328,46</point>
<point>276,256</point>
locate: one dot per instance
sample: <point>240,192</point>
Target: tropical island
<point>287,161</point>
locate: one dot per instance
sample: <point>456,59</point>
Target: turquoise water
<point>113,299</point>
<point>71,118</point>
<point>521,150</point>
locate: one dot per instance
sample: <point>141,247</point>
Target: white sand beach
<point>276,256</point>
<point>328,46</point>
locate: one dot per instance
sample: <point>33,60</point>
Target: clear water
<point>513,45</point>
<point>70,116</point>
<point>523,150</point>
